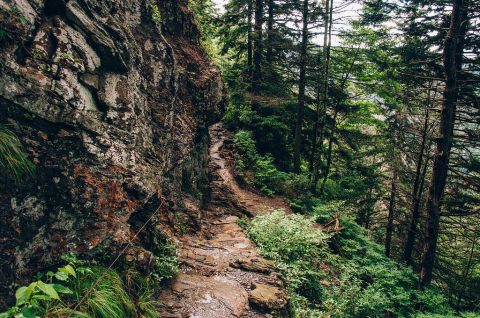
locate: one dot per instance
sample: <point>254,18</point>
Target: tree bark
<point>417,191</point>
<point>270,32</point>
<point>391,214</point>
<point>329,150</point>
<point>258,47</point>
<point>250,43</point>
<point>321,106</point>
<point>301,91</point>
<point>452,52</point>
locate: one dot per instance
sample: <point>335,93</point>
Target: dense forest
<point>348,152</point>
<point>374,117</point>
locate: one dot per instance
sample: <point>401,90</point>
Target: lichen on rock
<point>114,109</point>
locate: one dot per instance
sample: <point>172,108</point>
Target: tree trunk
<point>452,52</point>
<point>417,191</point>
<point>258,44</point>
<point>321,105</point>
<point>250,43</point>
<point>301,91</point>
<point>270,33</point>
<point>315,130</point>
<point>329,151</point>
<point>325,99</point>
<point>391,212</point>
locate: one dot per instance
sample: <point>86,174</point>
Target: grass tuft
<point>108,298</point>
<point>141,288</point>
<point>13,160</point>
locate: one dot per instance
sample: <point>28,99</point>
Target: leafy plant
<point>166,260</point>
<point>345,275</point>
<point>266,176</point>
<point>156,14</point>
<point>35,299</point>
<point>80,291</point>
<point>287,237</point>
<point>298,248</point>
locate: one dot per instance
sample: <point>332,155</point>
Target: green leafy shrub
<point>239,116</point>
<point>287,237</point>
<point>244,141</point>
<point>344,275</point>
<point>266,176</point>
<point>166,260</point>
<point>40,296</point>
<point>156,14</point>
<point>298,250</point>
<point>85,292</point>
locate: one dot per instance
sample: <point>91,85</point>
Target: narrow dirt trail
<point>222,275</point>
<point>222,161</point>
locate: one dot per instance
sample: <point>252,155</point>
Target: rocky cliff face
<point>112,100</point>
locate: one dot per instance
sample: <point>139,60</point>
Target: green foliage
<point>35,299</point>
<point>13,160</point>
<point>66,57</point>
<point>244,141</point>
<point>298,249</point>
<point>345,275</point>
<point>85,292</point>
<point>205,13</point>
<point>239,115</point>
<point>141,290</point>
<point>105,294</point>
<point>166,260</point>
<point>12,25</point>
<point>155,12</point>
<point>266,176</point>
<point>287,237</point>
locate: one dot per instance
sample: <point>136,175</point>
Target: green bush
<point>239,116</point>
<point>166,260</point>
<point>298,249</point>
<point>266,176</point>
<point>85,292</point>
<point>244,141</point>
<point>287,237</point>
<point>43,296</point>
<point>344,275</point>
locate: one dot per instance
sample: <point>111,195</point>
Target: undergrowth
<point>261,172</point>
<point>265,175</point>
<point>340,275</point>
<point>82,290</point>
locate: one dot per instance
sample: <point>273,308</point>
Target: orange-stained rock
<point>113,108</point>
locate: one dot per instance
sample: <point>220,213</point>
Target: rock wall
<point>112,100</point>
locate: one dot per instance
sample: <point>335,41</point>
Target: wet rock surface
<point>267,296</point>
<point>113,107</point>
<point>222,274</point>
